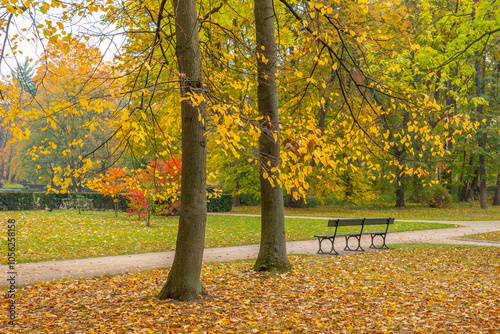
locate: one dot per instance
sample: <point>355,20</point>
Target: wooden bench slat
<point>379,221</point>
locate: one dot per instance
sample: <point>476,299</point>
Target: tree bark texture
<point>496,198</point>
<point>272,253</point>
<point>183,281</point>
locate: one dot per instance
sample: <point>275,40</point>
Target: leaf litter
<point>433,290</point>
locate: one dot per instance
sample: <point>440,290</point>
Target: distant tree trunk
<point>473,186</point>
<point>115,203</point>
<point>183,281</point>
<point>1,169</point>
<point>496,198</point>
<point>480,73</point>
<point>291,202</point>
<point>236,200</point>
<point>464,189</point>
<point>452,103</point>
<point>9,161</point>
<point>400,191</point>
<point>272,253</point>
<point>482,183</point>
<point>236,197</point>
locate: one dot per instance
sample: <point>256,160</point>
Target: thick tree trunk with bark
<point>496,198</point>
<point>183,281</point>
<point>272,253</point>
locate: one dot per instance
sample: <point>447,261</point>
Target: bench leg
<point>358,237</point>
<point>321,251</point>
<point>383,246</point>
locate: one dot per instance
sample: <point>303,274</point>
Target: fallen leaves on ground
<point>436,290</point>
<point>488,236</point>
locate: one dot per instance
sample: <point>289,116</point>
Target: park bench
<point>362,222</point>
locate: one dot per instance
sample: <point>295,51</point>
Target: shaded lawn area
<point>488,236</point>
<point>64,234</point>
<point>456,211</point>
<point>409,290</point>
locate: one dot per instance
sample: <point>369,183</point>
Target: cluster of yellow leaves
<point>432,290</point>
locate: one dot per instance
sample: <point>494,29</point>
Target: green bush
<point>437,196</point>
<point>312,202</point>
<point>80,202</point>
<point>249,200</point>
<point>34,201</point>
<point>222,203</point>
<point>16,201</point>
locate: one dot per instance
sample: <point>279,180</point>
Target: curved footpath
<point>36,272</point>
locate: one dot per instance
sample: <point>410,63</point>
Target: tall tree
<point>183,281</point>
<point>272,253</point>
<point>23,74</point>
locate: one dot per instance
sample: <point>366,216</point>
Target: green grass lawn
<point>64,234</point>
<point>489,236</point>
<point>413,290</point>
<point>457,211</point>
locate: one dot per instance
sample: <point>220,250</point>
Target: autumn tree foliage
<point>154,189</point>
<point>23,75</point>
<point>372,95</point>
<point>110,184</point>
<point>68,117</point>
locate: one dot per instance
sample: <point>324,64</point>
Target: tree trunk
<point>272,253</point>
<point>183,281</point>
<point>400,191</point>
<point>480,73</point>
<point>496,199</point>
<point>115,202</point>
<point>462,188</point>
<point>1,168</point>
<point>291,202</point>
<point>473,186</point>
<point>236,196</point>
<point>9,162</point>
<point>482,183</point>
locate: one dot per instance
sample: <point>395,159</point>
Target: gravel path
<point>36,272</point>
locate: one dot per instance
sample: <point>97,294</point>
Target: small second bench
<point>361,222</point>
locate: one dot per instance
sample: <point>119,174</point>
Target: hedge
<point>224,203</point>
<point>32,201</point>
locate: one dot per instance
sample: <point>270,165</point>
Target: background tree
<point>112,184</point>
<point>23,75</point>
